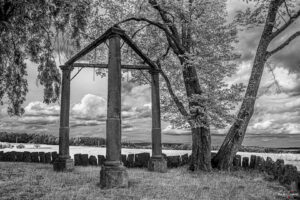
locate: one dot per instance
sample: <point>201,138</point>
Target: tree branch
<point>283,27</point>
<point>287,9</point>
<point>178,103</point>
<point>284,44</point>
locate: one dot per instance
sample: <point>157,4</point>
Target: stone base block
<point>157,165</point>
<point>61,164</point>
<point>113,177</point>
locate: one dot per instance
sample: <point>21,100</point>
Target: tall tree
<point>191,43</point>
<point>28,31</point>
<point>276,16</point>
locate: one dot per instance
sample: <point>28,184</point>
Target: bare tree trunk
<point>235,136</point>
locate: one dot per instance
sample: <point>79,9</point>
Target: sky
<point>277,109</point>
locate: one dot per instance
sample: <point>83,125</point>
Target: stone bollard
<point>84,159</point>
<point>42,157</point>
<point>245,162</point>
<point>1,156</point>
<point>289,174</point>
<point>48,157</point>
<point>141,160</point>
<point>269,165</point>
<point>27,156</point>
<point>260,163</point>
<point>278,168</point>
<point>93,160</point>
<point>10,156</point>
<point>77,161</point>
<point>34,157</point>
<point>19,156</point>
<point>252,161</point>
<point>237,161</point>
<point>130,160</point>
<point>101,160</point>
<point>124,159</point>
<point>173,161</point>
<point>54,156</point>
<point>184,159</point>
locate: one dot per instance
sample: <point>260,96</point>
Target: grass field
<point>39,181</point>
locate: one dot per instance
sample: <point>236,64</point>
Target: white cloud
<point>90,107</point>
<point>38,108</point>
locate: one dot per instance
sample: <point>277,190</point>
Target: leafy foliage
<point>28,29</point>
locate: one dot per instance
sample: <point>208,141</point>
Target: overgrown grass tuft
<point>39,181</point>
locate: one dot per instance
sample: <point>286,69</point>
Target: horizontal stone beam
<point>87,65</point>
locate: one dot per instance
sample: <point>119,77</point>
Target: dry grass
<point>38,181</point>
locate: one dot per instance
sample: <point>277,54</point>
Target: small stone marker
<point>48,157</point>
<point>27,156</point>
<point>124,159</point>
<point>173,161</point>
<point>184,159</point>
<point>101,159</point>
<point>289,175</point>
<point>42,157</point>
<point>84,159</point>
<point>1,156</point>
<point>54,156</point>
<point>130,160</point>
<point>279,167</point>
<point>77,161</point>
<point>269,165</point>
<point>252,161</point>
<point>34,157</point>
<point>237,160</point>
<point>93,160</point>
<point>245,162</point>
<point>141,159</point>
<point>19,156</point>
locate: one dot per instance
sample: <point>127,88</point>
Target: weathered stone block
<point>269,166</point>
<point>245,162</point>
<point>27,156</point>
<point>141,159</point>
<point>54,155</point>
<point>1,156</point>
<point>19,156</point>
<point>157,165</point>
<point>173,161</point>
<point>237,160</point>
<point>42,157</point>
<point>10,156</point>
<point>34,157</point>
<point>278,169</point>
<point>84,159</point>
<point>130,160</point>
<point>260,163</point>
<point>77,161</point>
<point>93,160</point>
<point>289,174</point>
<point>48,157</point>
<point>252,161</point>
<point>61,164</point>
<point>184,159</point>
<point>124,159</point>
<point>113,177</point>
<point>101,160</point>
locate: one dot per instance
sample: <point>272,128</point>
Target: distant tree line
<point>49,139</point>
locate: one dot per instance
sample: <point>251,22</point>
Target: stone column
<point>113,173</point>
<point>157,162</point>
<point>64,161</point>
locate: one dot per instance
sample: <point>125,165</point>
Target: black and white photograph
<point>149,99</point>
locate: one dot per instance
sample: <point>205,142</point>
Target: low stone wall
<point>277,170</point>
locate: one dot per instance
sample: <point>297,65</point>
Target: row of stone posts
<point>113,173</point>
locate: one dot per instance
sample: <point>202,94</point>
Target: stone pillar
<point>113,173</point>
<point>64,161</point>
<point>157,162</point>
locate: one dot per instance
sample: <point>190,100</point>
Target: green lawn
<point>39,181</point>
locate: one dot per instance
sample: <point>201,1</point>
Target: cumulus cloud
<point>90,107</point>
<point>38,108</point>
